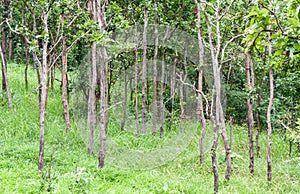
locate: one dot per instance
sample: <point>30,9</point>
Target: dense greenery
<point>68,64</point>
<point>69,169</point>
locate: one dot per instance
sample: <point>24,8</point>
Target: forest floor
<point>69,168</point>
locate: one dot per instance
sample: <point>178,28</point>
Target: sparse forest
<point>194,96</point>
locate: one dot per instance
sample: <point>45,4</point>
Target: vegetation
<point>168,96</point>
<point>69,168</point>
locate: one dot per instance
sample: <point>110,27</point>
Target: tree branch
<point>275,16</point>
<point>196,90</point>
<point>227,43</point>
<point>226,11</point>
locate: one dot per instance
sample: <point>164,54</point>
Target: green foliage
<point>69,169</point>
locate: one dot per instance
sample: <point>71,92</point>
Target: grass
<point>69,169</point>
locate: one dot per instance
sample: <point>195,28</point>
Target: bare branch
<point>195,89</point>
<point>275,16</point>
<point>226,11</point>
<point>209,5</point>
<point>227,43</point>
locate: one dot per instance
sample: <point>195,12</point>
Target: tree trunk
<point>4,44</point>
<point>250,111</point>
<point>65,80</point>
<point>173,83</point>
<point>230,138</point>
<point>27,64</point>
<point>200,82</point>
<point>5,78</point>
<point>92,102</point>
<point>103,86</point>
<point>215,54</point>
<point>3,54</point>
<point>124,100</point>
<point>10,47</point>
<point>154,113</point>
<point>162,91</point>
<point>144,73</point>
<point>214,158</point>
<point>269,150</point>
<point>44,91</point>
<point>257,115</point>
<point>136,94</point>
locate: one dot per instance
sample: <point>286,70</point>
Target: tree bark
<point>250,111</point>
<point>44,91</point>
<point>162,91</point>
<point>124,100</point>
<point>27,64</point>
<point>144,73</point>
<point>5,78</point>
<point>4,43</point>
<point>215,54</point>
<point>92,110</point>
<point>154,113</point>
<point>10,47</point>
<point>103,85</point>
<point>200,82</point>
<point>65,79</point>
<point>257,115</point>
<point>136,94</point>
<point>269,150</point>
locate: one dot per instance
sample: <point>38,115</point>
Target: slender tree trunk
<point>180,93</point>
<point>200,82</point>
<point>4,42</point>
<point>5,78</point>
<point>92,101</point>
<point>65,80</point>
<point>124,100</point>
<point>27,64</point>
<point>257,115</point>
<point>250,111</point>
<point>3,53</point>
<point>144,73</point>
<point>230,138</point>
<point>92,115</point>
<point>10,47</point>
<point>173,83</point>
<point>269,150</point>
<point>215,53</point>
<point>154,113</point>
<point>44,91</point>
<point>36,61</point>
<point>214,157</point>
<point>103,85</point>
<point>162,91</point>
<point>136,94</point>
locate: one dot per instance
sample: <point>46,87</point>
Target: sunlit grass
<point>69,169</point>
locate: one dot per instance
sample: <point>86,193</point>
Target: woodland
<point>150,96</point>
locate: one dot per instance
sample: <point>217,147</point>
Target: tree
<point>5,78</point>
<point>144,72</point>
<point>215,51</point>
<point>250,85</point>
<point>200,82</point>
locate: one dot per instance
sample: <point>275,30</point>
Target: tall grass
<point>69,169</point>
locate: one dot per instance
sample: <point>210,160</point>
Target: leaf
<point>294,22</point>
<point>278,52</point>
<point>252,13</point>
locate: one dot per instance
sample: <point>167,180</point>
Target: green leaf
<point>294,22</point>
<point>252,13</point>
<point>278,52</point>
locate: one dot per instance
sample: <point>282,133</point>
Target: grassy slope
<point>71,170</point>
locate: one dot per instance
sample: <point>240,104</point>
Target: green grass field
<point>69,169</point>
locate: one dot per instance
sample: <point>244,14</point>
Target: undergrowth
<point>69,169</point>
